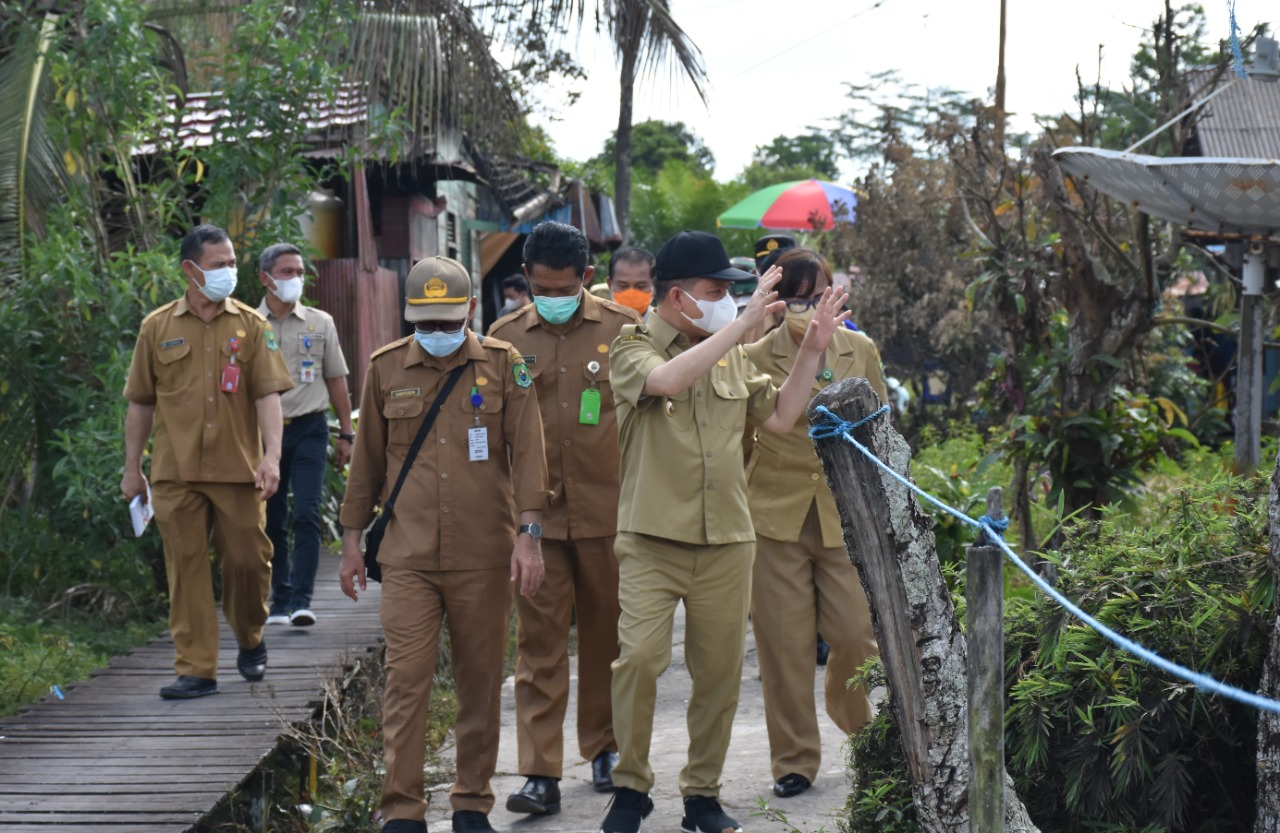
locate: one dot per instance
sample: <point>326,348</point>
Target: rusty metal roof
<point>1243,121</point>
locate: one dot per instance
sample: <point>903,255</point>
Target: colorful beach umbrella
<point>805,205</point>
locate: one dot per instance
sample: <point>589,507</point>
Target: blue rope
<point>1204,681</point>
<point>1238,58</point>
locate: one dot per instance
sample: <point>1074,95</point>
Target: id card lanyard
<point>477,434</point>
<point>589,408</point>
<point>230,380</point>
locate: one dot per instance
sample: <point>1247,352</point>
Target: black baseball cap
<point>696,254</point>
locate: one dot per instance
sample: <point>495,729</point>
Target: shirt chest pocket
<point>599,379</point>
<point>403,416</point>
<point>730,403</point>
<point>485,402</point>
<point>173,369</point>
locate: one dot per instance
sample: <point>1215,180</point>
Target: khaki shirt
<point>203,434</point>
<point>582,459</point>
<point>682,474</point>
<point>785,476</point>
<point>307,334</point>
<point>452,513</point>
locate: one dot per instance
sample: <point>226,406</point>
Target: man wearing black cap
<point>683,390</point>
<point>769,248</point>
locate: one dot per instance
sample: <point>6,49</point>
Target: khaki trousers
<point>581,574</point>
<point>714,582</point>
<point>187,513</point>
<point>415,603</point>
<point>801,589</point>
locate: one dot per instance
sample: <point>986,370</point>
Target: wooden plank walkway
<point>113,757</point>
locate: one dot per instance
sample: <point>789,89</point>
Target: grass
<point>45,647</point>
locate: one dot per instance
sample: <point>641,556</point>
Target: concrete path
<point>747,777</point>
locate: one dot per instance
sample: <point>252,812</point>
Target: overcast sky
<point>778,66</point>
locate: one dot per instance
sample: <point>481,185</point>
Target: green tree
<point>813,151</point>
<point>655,143</point>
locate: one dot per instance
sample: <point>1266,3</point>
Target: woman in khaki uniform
<point>803,582</point>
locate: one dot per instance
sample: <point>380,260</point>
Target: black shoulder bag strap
<point>449,384</point>
<point>373,538</point>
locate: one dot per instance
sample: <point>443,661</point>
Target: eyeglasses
<point>440,326</point>
<point>802,304</point>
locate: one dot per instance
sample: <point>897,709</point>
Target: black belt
<point>313,414</point>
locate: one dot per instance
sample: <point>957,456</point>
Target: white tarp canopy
<point>1232,196</point>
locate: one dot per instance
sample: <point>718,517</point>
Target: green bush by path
<point>1096,739</point>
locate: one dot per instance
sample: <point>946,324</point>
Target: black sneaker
<point>627,809</point>
<point>702,814</point>
<point>471,821</point>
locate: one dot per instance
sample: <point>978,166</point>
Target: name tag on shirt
<point>478,443</point>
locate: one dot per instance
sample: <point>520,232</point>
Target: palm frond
<point>430,61</point>
<point>31,166</point>
<point>647,28</point>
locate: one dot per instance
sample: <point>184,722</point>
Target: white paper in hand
<point>141,513</point>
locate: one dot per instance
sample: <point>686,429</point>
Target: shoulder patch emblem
<point>270,336</point>
<point>521,372</point>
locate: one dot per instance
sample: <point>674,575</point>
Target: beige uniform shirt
<point>582,458</point>
<point>204,434</point>
<point>785,476</point>
<point>452,513</point>
<point>306,335</point>
<point>682,474</point>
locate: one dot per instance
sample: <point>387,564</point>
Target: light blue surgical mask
<point>218,283</point>
<point>557,310</point>
<point>441,344</point>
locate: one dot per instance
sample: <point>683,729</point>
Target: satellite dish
<point>1228,196</point>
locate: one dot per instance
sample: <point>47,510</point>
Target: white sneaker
<point>278,619</point>
<point>302,618</point>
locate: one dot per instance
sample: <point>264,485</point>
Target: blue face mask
<point>557,310</point>
<point>441,344</point>
<point>218,283</point>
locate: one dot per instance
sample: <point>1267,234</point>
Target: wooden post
<point>1249,393</point>
<point>890,540</point>
<point>984,584</point>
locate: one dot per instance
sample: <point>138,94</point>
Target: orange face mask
<point>637,299</point>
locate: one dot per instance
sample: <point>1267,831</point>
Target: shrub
<point>1096,739</point>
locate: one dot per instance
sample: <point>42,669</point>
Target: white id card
<point>478,443</point>
<point>307,372</point>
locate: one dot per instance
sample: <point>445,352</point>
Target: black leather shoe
<point>186,687</point>
<point>540,795</point>
<point>252,662</point>
<point>404,826</point>
<point>602,771</point>
<point>471,821</point>
<point>790,784</point>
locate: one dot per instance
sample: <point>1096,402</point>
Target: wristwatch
<point>534,530</point>
<point>348,437</point>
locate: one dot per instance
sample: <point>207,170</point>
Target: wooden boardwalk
<point>114,758</point>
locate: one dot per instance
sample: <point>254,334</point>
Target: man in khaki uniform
<point>684,391</point>
<point>565,335</point>
<point>310,349</point>
<point>207,375</point>
<point>803,579</point>
<point>452,548</point>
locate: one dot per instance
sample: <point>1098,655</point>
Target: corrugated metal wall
<point>367,315</point>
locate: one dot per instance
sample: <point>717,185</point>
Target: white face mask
<point>716,315</point>
<point>441,344</point>
<point>218,283</point>
<point>288,290</point>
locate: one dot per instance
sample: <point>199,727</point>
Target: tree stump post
<point>890,541</point>
<point>984,618</point>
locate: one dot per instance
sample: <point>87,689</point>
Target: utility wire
<point>821,34</point>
